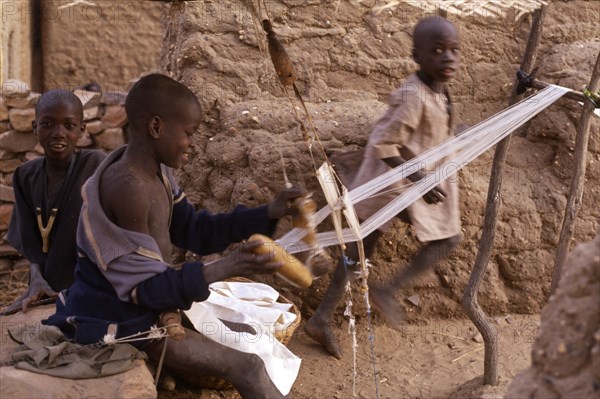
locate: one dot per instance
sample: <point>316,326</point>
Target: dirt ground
<point>437,359</point>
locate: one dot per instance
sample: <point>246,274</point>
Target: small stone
<point>20,119</point>
<point>113,98</point>
<point>110,139</point>
<point>15,88</point>
<point>5,215</point>
<point>85,140</point>
<point>168,383</point>
<point>8,250</point>
<point>89,99</point>
<point>562,348</point>
<point>477,338</point>
<point>13,141</point>
<point>9,165</point>
<point>508,319</point>
<point>114,116</point>
<point>23,102</point>
<point>95,127</point>
<point>4,155</point>
<point>6,178</point>
<point>30,155</point>
<point>414,299</point>
<point>4,126</point>
<point>92,113</point>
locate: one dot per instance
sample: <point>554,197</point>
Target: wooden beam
<point>469,299</point>
<point>37,48</point>
<point>576,189</point>
<point>573,95</point>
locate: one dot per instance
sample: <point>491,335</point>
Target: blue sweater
<point>85,310</point>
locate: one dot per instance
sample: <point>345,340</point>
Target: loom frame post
<point>577,180</point>
<point>469,298</point>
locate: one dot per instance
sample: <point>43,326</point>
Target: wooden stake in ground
<point>469,299</point>
<point>576,189</point>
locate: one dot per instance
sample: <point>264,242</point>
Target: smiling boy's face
<point>437,50</point>
<point>58,125</point>
<point>176,144</point>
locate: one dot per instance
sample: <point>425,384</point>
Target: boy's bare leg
<point>382,297</point>
<point>199,355</point>
<point>319,326</point>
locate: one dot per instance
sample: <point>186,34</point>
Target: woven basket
<point>284,336</point>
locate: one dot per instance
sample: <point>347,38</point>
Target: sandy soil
<point>431,360</point>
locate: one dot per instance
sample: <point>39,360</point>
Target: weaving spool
<point>292,271</point>
<point>317,262</point>
<point>279,57</point>
<point>172,321</point>
<point>306,207</point>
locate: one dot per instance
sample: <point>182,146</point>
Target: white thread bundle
<point>468,146</point>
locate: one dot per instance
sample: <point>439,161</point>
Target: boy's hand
<point>281,205</point>
<point>435,195</point>
<point>38,289</point>
<point>242,262</point>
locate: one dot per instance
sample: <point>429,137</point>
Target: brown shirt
<point>417,118</point>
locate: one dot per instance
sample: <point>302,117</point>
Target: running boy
<point>418,118</point>
<point>133,210</point>
<point>48,199</point>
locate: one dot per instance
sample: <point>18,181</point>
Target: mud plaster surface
<point>348,61</point>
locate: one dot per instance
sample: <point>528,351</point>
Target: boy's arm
<point>179,288</point>
<point>434,195</point>
<point>38,288</point>
<point>23,232</point>
<point>204,233</point>
<point>23,229</point>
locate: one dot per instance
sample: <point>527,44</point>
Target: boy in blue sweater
<point>133,212</point>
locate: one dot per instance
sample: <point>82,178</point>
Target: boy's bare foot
<point>388,306</point>
<point>321,332</point>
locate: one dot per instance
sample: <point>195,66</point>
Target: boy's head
<point>436,48</point>
<point>164,113</point>
<point>58,123</point>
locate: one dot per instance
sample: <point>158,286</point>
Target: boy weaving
<point>48,199</point>
<point>133,211</point>
<point>418,118</point>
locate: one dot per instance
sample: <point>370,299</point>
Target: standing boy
<point>48,199</point>
<point>133,211</point>
<point>418,118</point>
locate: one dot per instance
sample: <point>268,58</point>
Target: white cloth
<point>256,305</point>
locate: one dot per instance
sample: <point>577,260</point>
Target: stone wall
<point>104,114</point>
<point>348,60</point>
